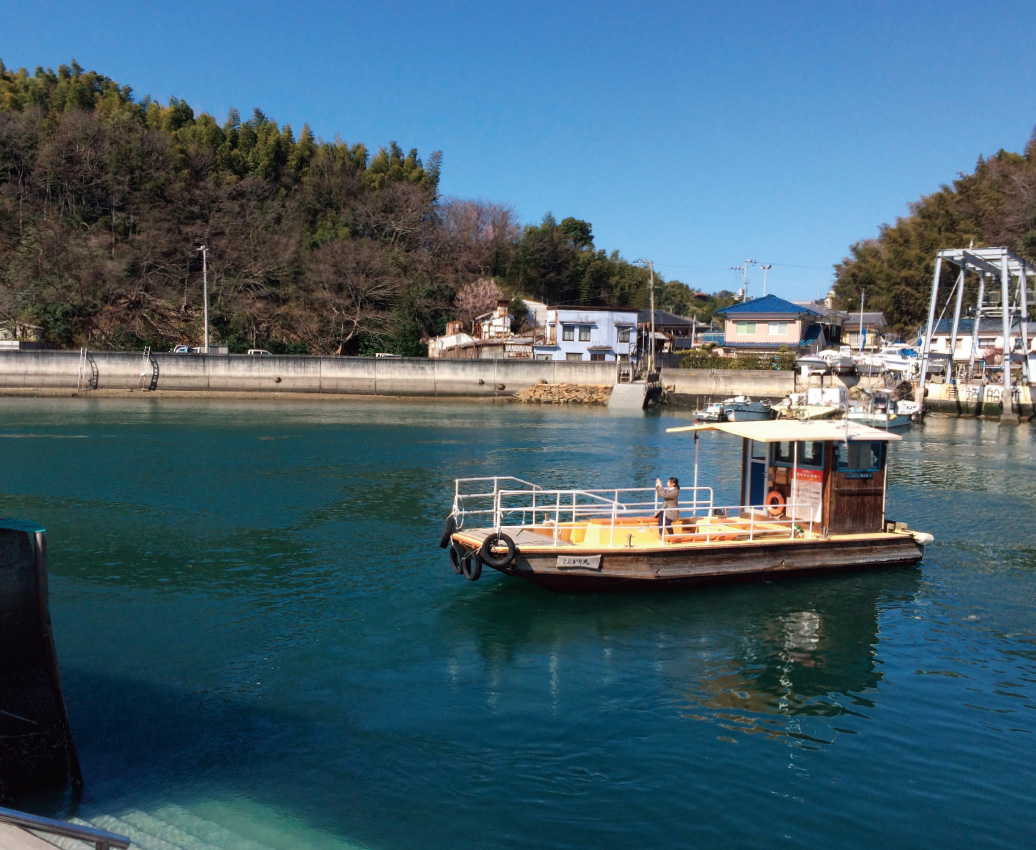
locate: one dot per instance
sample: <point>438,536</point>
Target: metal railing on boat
<point>100,839</point>
<point>532,507</point>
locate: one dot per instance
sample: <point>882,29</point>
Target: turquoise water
<point>263,646</point>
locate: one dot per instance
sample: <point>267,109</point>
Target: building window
<point>568,332</point>
<point>778,328</point>
<point>596,356</point>
<point>745,328</point>
<point>573,355</point>
<point>624,334</point>
<point>544,357</point>
<point>584,333</point>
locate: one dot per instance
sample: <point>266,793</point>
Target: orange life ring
<point>775,503</point>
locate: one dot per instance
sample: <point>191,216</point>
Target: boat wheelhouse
<point>813,498</point>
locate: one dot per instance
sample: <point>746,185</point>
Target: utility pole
<point>205,278</point>
<point>651,344</point>
<point>744,270</point>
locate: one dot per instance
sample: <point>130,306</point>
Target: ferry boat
<point>813,497</point>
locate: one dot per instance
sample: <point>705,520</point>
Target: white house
<point>587,333</point>
<point>990,338</point>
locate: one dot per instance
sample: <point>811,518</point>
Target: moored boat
<point>812,500</point>
<point>742,409</point>
<point>712,412</point>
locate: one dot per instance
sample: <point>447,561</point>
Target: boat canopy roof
<point>795,430</point>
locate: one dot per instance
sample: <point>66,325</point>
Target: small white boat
<point>814,403</point>
<point>881,410</point>
<point>712,412</point>
<point>879,419</point>
<point>838,362</point>
<point>742,409</point>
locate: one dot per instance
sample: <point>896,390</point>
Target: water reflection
<point>750,659</point>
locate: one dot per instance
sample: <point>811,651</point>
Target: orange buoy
<point>775,503</point>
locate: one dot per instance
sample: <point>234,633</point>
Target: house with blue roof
<point>763,325</point>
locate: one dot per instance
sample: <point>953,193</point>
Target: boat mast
<point>861,323</point>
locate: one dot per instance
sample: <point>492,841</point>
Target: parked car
<point>258,352</point>
<point>181,349</point>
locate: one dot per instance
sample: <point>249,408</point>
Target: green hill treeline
<point>313,246</point>
<point>993,207</point>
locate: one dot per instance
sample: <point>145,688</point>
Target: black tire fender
<point>490,557</point>
<point>447,531</point>
<point>457,556</point>
<point>471,566</point>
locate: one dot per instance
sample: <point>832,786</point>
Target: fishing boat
<point>712,412</point>
<point>814,403</point>
<point>742,409</point>
<point>813,497</point>
<point>883,411</point>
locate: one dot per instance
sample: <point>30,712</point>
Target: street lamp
<point>205,278</point>
<point>765,269</point>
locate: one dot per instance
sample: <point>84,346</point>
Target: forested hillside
<point>993,207</point>
<point>313,246</point>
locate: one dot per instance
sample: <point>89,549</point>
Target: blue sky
<point>697,135</point>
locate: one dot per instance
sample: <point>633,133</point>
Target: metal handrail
<point>100,838</point>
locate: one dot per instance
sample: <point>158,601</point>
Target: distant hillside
<point>994,207</point>
<point>313,246</point>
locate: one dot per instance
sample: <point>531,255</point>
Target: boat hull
<point>710,564</point>
<point>734,415</point>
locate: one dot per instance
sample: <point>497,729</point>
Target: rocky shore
<point>597,394</point>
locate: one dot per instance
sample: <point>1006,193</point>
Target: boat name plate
<point>579,562</point>
<point>856,473</point>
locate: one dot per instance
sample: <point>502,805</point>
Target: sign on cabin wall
<point>807,494</point>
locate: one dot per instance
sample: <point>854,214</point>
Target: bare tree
<point>476,298</point>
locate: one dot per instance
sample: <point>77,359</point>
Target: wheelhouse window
<point>810,454</point>
<point>568,332</point>
<point>863,456</point>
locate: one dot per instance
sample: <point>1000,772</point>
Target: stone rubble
<point>565,394</point>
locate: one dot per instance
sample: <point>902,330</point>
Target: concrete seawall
<point>693,386</point>
<point>107,370</point>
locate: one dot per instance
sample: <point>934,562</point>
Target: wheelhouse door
<point>755,473</point>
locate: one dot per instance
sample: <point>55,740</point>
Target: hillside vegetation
<point>313,246</point>
<point>993,207</point>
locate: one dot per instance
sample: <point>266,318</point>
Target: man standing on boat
<point>670,496</point>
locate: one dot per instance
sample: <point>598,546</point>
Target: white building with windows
<point>587,333</point>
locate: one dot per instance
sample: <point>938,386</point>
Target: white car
<point>258,352</point>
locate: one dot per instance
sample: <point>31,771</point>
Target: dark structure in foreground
<point>36,747</point>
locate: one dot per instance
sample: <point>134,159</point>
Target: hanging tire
<point>447,531</point>
<point>471,566</point>
<point>457,557</point>
<point>490,557</point>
